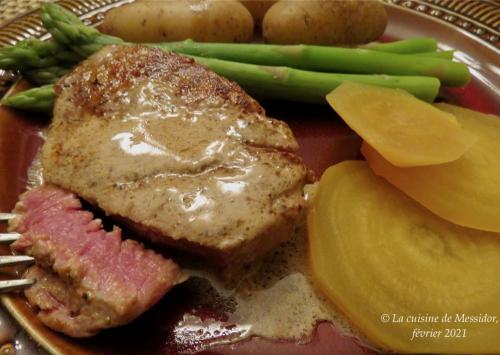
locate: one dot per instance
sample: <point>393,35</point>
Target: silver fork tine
<point>9,260</point>
<point>5,217</point>
<point>13,285</point>
<point>7,238</point>
<point>12,260</point>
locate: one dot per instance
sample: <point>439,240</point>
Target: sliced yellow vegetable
<point>403,129</point>
<point>466,191</point>
<point>400,274</point>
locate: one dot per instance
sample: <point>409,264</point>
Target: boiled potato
<point>324,22</point>
<point>174,20</point>
<point>258,9</point>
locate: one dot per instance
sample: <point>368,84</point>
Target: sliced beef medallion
<point>87,279</point>
<point>178,153</point>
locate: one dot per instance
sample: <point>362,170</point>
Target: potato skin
<point>175,20</point>
<point>342,22</point>
<point>258,9</point>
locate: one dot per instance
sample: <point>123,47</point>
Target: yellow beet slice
<point>466,191</point>
<point>382,259</point>
<point>403,129</point>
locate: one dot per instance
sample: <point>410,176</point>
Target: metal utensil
<point>13,260</point>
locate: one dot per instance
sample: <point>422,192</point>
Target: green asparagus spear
<point>405,46</point>
<point>39,99</point>
<point>69,30</point>
<point>328,59</point>
<point>35,53</point>
<point>85,40</point>
<point>308,86</point>
<point>440,54</point>
<point>48,75</point>
<point>267,82</point>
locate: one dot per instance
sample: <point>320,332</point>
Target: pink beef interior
<point>120,279</point>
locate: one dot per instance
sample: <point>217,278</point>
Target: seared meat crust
<point>116,70</point>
